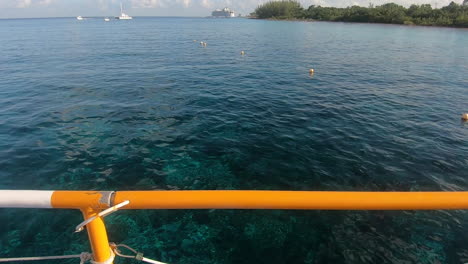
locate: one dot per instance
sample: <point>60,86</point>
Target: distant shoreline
<point>351,22</point>
<point>452,15</point>
<point>287,19</point>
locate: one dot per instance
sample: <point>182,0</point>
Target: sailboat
<point>123,16</point>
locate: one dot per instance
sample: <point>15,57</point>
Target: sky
<point>73,8</point>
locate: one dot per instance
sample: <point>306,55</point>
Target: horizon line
<point>6,18</point>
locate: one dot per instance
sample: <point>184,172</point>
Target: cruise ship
<point>225,12</point>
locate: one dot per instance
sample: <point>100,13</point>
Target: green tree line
<point>453,15</point>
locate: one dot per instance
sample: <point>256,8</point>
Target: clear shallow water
<point>130,105</point>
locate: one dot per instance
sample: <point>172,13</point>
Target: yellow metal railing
<point>91,203</point>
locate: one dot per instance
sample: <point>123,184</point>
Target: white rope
<point>85,256</point>
<point>152,261</point>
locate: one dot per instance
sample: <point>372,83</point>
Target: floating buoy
<point>201,43</point>
<point>194,40</point>
<point>242,53</point>
<point>311,71</point>
<point>465,117</point>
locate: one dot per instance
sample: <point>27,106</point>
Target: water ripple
<point>141,106</point>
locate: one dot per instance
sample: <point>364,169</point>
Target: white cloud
<point>145,3</point>
<point>161,3</point>
<point>103,4</point>
<point>40,8</point>
<point>186,3</point>
<point>45,2</point>
<point>23,3</point>
<point>206,4</point>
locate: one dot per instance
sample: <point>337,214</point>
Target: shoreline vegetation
<point>452,15</point>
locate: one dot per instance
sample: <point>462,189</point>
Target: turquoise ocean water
<point>138,105</point>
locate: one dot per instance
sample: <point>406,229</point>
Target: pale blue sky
<point>71,8</point>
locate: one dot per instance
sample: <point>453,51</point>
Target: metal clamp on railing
<point>104,213</point>
<point>138,255</point>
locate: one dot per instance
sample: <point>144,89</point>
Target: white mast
<point>122,14</point>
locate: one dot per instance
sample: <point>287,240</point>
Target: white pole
<point>25,199</point>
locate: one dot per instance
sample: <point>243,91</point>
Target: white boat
<point>79,17</point>
<point>107,19</point>
<point>225,12</point>
<point>123,16</point>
